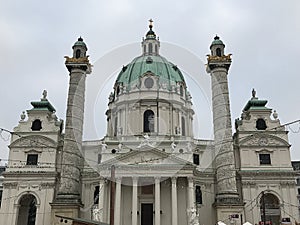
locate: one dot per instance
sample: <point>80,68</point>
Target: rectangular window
<point>196,159</point>
<point>298,191</point>
<point>32,159</point>
<point>264,159</point>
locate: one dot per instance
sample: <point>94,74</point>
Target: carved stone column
<point>157,200</point>
<point>68,198</point>
<point>118,201</point>
<point>191,191</point>
<point>174,200</point>
<point>134,200</point>
<point>101,198</point>
<point>218,66</point>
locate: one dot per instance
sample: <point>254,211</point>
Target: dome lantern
<point>150,45</point>
<point>217,47</point>
<point>79,48</point>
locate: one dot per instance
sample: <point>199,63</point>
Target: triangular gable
<point>264,140</point>
<point>33,141</point>
<point>151,156</point>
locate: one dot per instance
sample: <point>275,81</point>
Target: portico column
<point>157,200</point>
<point>101,198</point>
<point>118,202</point>
<point>174,200</point>
<point>134,200</point>
<point>191,198</point>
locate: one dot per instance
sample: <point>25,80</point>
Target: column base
<point>227,199</point>
<point>68,199</point>
<point>70,210</point>
<point>227,205</point>
<point>233,214</point>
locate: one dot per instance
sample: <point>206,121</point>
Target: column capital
<point>174,180</point>
<point>118,179</point>
<point>135,180</point>
<point>157,178</point>
<point>102,179</point>
<point>190,179</point>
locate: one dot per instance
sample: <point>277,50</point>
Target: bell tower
<point>218,65</point>
<point>68,197</point>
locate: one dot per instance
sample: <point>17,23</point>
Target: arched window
<point>181,90</point>
<point>182,126</point>
<point>36,125</point>
<point>261,124</point>
<point>145,48</point>
<point>218,52</point>
<point>27,210</point>
<point>77,53</point>
<point>150,48</point>
<point>271,205</point>
<point>156,49</point>
<point>148,121</point>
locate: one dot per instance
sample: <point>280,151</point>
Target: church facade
<point>149,169</point>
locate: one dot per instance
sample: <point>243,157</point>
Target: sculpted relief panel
<point>264,141</point>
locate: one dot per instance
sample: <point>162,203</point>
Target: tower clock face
<point>149,82</point>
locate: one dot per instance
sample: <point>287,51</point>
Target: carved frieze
<point>10,185</point>
<point>264,141</point>
<point>33,141</point>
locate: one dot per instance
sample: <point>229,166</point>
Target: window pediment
<point>261,151</point>
<point>33,151</point>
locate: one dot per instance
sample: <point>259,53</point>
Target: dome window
<point>36,125</point>
<point>150,48</point>
<point>149,82</point>
<point>116,127</point>
<point>77,54</point>
<point>148,121</point>
<point>261,124</point>
<point>118,90</point>
<point>182,126</point>
<point>181,90</point>
<point>149,60</point>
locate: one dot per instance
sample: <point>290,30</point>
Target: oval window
<point>149,82</point>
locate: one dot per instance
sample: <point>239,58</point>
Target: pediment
<point>147,157</point>
<point>264,140</point>
<point>37,141</point>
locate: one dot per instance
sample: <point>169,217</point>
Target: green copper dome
<point>217,41</point>
<point>166,71</point>
<point>79,42</point>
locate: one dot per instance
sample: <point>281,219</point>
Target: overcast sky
<point>263,37</point>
